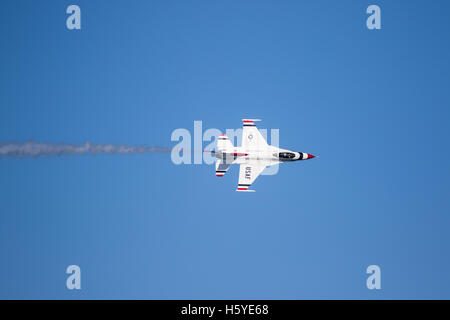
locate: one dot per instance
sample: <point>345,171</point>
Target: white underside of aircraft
<point>253,156</point>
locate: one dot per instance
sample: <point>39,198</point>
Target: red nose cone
<point>310,156</point>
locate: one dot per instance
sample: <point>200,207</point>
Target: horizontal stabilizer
<point>224,144</point>
<point>221,167</point>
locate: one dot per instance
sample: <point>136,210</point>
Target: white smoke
<point>36,149</point>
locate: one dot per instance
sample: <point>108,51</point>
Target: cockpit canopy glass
<point>286,155</point>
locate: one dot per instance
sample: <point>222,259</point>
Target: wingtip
<point>251,120</point>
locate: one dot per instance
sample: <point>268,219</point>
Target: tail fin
<point>224,144</point>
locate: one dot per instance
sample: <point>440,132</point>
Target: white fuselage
<point>268,154</point>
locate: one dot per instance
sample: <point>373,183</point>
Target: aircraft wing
<point>248,174</point>
<point>251,137</point>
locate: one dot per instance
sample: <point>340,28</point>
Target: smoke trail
<point>36,149</point>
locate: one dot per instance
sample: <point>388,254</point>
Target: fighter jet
<point>254,155</point>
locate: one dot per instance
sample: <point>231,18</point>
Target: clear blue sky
<point>374,105</point>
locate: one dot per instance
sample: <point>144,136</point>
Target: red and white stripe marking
<point>223,137</point>
<point>249,122</point>
<point>307,156</point>
<point>240,154</point>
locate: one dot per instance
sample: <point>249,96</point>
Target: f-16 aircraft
<point>254,155</point>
